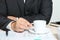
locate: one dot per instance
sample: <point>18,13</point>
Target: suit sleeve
<point>45,12</point>
<point>3,14</point>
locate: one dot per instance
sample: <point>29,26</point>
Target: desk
<point>53,30</point>
<point>23,36</point>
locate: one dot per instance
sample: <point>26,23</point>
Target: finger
<point>22,19</point>
<point>19,30</point>
<point>28,23</point>
<point>23,23</point>
<point>23,27</point>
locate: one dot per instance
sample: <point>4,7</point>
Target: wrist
<point>13,24</point>
<point>12,18</point>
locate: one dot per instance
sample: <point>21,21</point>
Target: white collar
<point>24,1</point>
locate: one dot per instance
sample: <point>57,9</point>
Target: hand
<point>20,25</point>
<point>12,18</point>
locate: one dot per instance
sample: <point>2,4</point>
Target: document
<point>26,36</point>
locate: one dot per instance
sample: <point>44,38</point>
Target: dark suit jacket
<point>31,10</point>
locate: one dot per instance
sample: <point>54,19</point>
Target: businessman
<point>17,15</point>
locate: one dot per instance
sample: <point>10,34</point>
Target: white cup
<point>39,26</point>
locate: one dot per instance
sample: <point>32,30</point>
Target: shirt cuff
<point>9,26</point>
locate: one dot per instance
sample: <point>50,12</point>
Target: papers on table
<point>26,36</point>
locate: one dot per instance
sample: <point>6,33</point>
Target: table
<point>23,36</point>
<point>53,30</point>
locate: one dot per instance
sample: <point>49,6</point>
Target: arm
<point>4,21</point>
<point>18,25</point>
<point>45,12</point>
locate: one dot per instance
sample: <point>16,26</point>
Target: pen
<point>7,33</point>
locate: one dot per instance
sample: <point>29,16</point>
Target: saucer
<point>43,31</point>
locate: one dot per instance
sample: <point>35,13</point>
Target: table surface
<point>26,36</point>
<point>53,30</point>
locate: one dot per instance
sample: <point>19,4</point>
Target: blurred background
<point>56,11</point>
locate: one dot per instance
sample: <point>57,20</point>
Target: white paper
<point>26,36</point>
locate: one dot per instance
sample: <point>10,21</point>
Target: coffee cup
<point>39,26</point>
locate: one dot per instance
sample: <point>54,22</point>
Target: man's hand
<point>12,18</point>
<point>20,25</point>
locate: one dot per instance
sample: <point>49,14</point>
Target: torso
<point>19,8</point>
